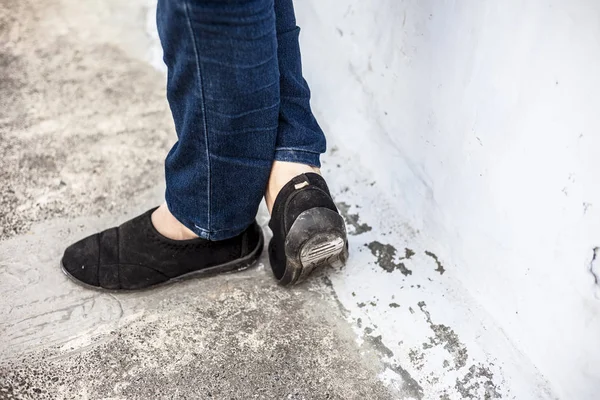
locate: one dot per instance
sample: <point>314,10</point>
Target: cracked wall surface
<point>594,267</point>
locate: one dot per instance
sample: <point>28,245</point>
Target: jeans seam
<point>216,99</point>
<point>290,149</point>
<point>245,113</point>
<point>221,64</point>
<point>204,121</point>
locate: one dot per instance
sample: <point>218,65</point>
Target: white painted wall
<point>481,121</point>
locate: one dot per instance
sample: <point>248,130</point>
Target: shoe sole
<point>316,240</point>
<point>238,265</point>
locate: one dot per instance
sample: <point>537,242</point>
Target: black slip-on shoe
<point>136,256</point>
<point>308,231</point>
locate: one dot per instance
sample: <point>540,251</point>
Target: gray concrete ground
<point>84,128</point>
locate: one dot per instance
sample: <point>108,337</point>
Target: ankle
<point>281,173</point>
<point>167,225</point>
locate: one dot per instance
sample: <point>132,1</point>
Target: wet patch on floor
<point>377,344</point>
<point>478,382</point>
<point>440,267</point>
<point>408,253</point>
<point>417,358</point>
<point>353,220</point>
<point>410,387</point>
<point>386,254</point>
<point>447,338</point>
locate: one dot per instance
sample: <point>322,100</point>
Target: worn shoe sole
<point>317,239</point>
<point>240,264</point>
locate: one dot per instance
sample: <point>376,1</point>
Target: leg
<point>223,89</point>
<point>300,140</point>
<point>308,232</point>
<point>299,137</point>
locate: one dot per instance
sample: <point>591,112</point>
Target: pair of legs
<point>245,130</point>
<point>239,103</point>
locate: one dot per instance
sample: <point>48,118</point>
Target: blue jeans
<point>239,102</point>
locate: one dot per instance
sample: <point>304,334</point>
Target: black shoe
<point>308,231</point>
<point>135,256</point>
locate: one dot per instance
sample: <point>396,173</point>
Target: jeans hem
<point>212,235</point>
<point>298,156</point>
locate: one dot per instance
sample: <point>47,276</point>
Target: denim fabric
<point>239,101</point>
<point>299,136</point>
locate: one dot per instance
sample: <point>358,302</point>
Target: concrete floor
<point>233,336</point>
<point>84,129</point>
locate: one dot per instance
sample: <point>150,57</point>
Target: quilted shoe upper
<point>136,256</point>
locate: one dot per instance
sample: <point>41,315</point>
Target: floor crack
<point>595,269</point>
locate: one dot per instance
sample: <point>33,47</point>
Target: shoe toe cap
<point>80,260</point>
<point>94,261</point>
